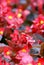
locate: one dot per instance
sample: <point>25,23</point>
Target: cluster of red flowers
<point>20,42</point>
<point>38,26</point>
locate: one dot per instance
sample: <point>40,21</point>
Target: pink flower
<point>26,60</point>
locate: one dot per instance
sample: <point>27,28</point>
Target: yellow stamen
<point>41,22</point>
<point>23,50</point>
<point>29,64</point>
<point>1,32</point>
<point>39,63</point>
<point>19,15</point>
<point>8,53</point>
<point>10,17</point>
